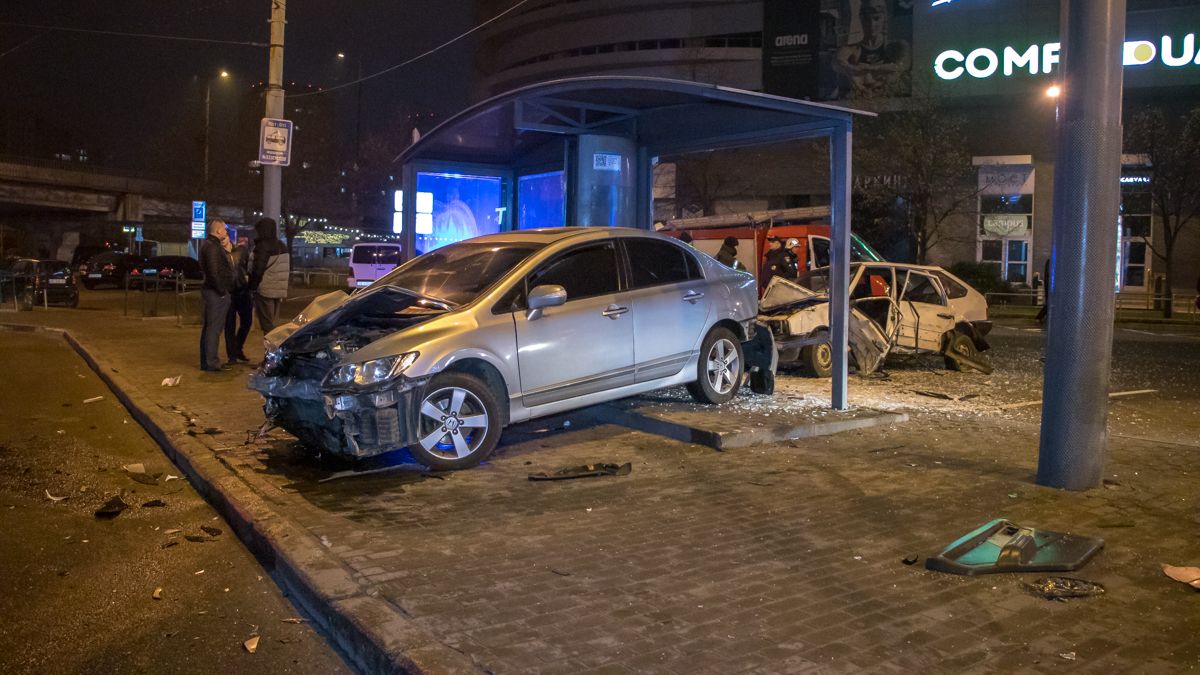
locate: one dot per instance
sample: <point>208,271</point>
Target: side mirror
<point>541,297</point>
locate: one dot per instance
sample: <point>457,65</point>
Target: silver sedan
<point>445,351</point>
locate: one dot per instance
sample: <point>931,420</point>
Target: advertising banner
<point>791,47</point>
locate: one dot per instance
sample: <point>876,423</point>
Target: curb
<point>375,636</point>
<point>741,438</point>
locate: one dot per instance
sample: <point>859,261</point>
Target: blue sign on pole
<point>199,216</point>
<point>275,142</point>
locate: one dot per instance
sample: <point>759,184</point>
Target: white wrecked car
<point>895,308</point>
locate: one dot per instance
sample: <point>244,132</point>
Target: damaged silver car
<point>443,352</point>
<point>894,308</point>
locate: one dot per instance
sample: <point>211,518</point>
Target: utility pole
<point>272,174</point>
<point>1081,295</point>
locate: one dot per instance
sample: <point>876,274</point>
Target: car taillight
<point>135,271</point>
<point>108,267</point>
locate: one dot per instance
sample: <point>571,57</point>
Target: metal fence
<point>1183,306</point>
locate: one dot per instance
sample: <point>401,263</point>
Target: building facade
<point>992,62</point>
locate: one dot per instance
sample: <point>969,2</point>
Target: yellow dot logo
<point>1139,52</point>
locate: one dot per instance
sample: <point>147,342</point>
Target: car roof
<point>550,235</point>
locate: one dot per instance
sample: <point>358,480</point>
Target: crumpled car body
<point>894,308</point>
<point>443,352</point>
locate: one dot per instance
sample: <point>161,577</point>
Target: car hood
<point>785,295</point>
<point>357,320</point>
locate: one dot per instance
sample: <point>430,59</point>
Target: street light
<point>1053,91</point>
<point>224,75</point>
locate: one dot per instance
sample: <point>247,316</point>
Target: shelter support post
<point>408,219</point>
<point>1079,336</point>
<point>839,257</point>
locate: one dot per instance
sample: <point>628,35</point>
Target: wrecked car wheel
<point>960,343</point>
<point>818,358</point>
<point>458,422</point>
<point>720,367</point>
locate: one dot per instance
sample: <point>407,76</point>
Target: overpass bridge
<point>47,206</point>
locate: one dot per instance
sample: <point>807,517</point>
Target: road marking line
<point>1115,394</point>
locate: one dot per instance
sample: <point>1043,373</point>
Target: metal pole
<point>1086,197</point>
<point>839,258</point>
<point>207,119</point>
<point>272,174</point>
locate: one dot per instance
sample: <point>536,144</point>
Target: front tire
<point>960,343</point>
<point>720,368</point>
<point>818,358</point>
<point>458,422</point>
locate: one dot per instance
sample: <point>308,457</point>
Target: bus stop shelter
<point>582,151</point>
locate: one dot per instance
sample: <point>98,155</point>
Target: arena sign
<point>984,62</point>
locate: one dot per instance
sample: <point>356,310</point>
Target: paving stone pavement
<point>773,559</point>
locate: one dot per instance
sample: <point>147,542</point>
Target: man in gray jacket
<point>270,266</point>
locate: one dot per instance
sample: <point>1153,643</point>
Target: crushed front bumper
<point>348,423</point>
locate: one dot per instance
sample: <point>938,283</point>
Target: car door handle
<point>692,296</point>
<point>946,316</point>
<point>614,312</point>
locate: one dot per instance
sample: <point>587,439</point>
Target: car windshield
<point>459,272</point>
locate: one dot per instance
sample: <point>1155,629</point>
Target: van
<point>369,262</point>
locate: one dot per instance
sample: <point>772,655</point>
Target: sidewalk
<point>779,558</point>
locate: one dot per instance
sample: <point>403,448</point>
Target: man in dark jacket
<point>728,254</point>
<point>217,263</point>
<point>270,266</point>
<point>779,260</point>
<point>241,307</point>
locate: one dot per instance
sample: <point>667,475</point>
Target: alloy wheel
<point>723,366</point>
<point>453,423</point>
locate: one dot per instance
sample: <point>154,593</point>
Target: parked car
<point>443,352</point>
<point>111,268</point>
<point>37,282</point>
<point>895,308</point>
<point>369,262</point>
<point>166,270</point>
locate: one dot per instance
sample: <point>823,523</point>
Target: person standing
<point>241,306</point>
<point>778,261</point>
<point>727,256</point>
<point>270,266</point>
<point>217,262</point>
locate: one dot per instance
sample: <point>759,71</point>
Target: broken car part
<point>585,471</point>
<point>1064,588</point>
<point>1003,546</point>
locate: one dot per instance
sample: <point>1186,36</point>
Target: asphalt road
<point>77,592</point>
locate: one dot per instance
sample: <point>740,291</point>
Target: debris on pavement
<point>93,399</point>
<point>138,473</point>
<point>169,544</point>
<point>153,503</point>
<point>294,619</point>
<point>55,499</point>
<point>157,594</point>
<point>251,645</point>
<point>1069,656</point>
<point>1115,394</point>
<point>172,531</point>
<point>585,471</point>
<point>112,508</point>
<point>171,381</point>
<point>206,431</point>
<point>170,478</point>
<point>1003,546</point>
<point>934,394</point>
<point>211,531</point>
<point>911,559</point>
<point>559,572</point>
<point>197,538</point>
<point>1064,588</point>
<point>1186,575</point>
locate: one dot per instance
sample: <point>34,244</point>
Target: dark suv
<point>37,282</point>
<point>112,268</point>
<point>167,269</point>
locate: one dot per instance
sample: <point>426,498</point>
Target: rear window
<point>54,268</point>
<point>658,262</point>
<point>954,289</point>
<point>376,255</point>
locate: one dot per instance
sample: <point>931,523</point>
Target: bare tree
<point>1173,157</point>
<point>922,163</point>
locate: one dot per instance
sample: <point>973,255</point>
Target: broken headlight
<point>370,372</point>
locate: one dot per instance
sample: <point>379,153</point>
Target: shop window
<point>1135,231</point>
<point>1006,219</point>
<point>541,199</point>
<point>453,207</point>
<point>1134,273</point>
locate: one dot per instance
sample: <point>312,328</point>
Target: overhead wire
<point>414,59</point>
<point>153,36</point>
<point>13,49</point>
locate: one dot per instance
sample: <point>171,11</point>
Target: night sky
<point>120,97</point>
